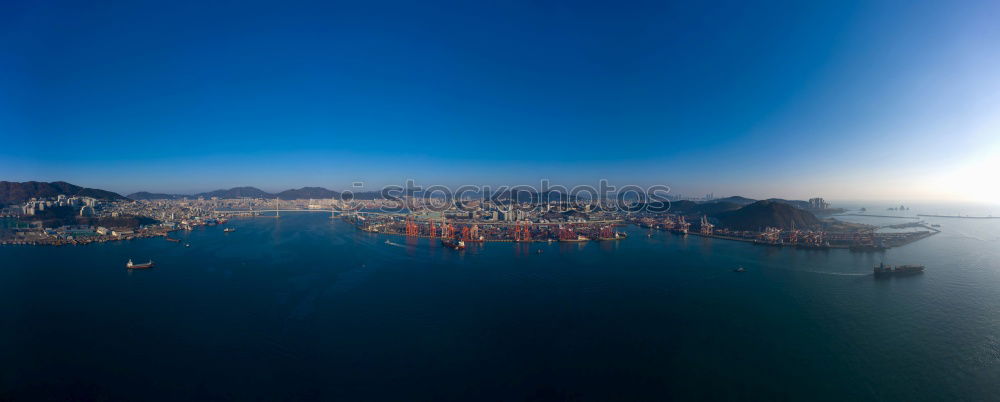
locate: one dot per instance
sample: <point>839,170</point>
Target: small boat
<point>539,251</point>
<point>187,244</point>
<point>131,265</point>
<point>228,230</point>
<point>388,242</point>
<point>739,269</point>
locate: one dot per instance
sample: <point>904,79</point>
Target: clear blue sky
<point>789,98</point>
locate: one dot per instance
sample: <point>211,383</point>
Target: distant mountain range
<point>143,195</point>
<point>19,192</point>
<point>795,203</point>
<point>691,208</point>
<point>15,192</point>
<point>243,192</point>
<point>237,192</point>
<point>738,200</point>
<point>307,192</point>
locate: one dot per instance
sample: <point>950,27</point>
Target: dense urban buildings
<point>79,220</point>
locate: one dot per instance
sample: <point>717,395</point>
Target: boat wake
<point>840,273</point>
<point>395,244</point>
<point>820,272</point>
<point>963,235</point>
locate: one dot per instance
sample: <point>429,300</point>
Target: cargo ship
<point>457,245</point>
<point>881,270</point>
<point>131,265</point>
<point>173,240</point>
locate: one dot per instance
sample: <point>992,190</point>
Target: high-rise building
<point>818,203</point>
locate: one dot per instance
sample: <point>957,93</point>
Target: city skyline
<point>883,100</point>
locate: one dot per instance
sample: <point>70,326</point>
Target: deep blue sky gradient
<point>777,98</point>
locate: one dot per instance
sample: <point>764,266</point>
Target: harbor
<point>295,270</point>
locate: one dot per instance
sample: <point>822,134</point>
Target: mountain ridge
<point>145,195</point>
<point>767,213</point>
<point>12,192</point>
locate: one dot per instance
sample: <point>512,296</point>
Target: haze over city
<point>850,100</point>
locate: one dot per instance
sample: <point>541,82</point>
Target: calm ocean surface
<point>303,307</point>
